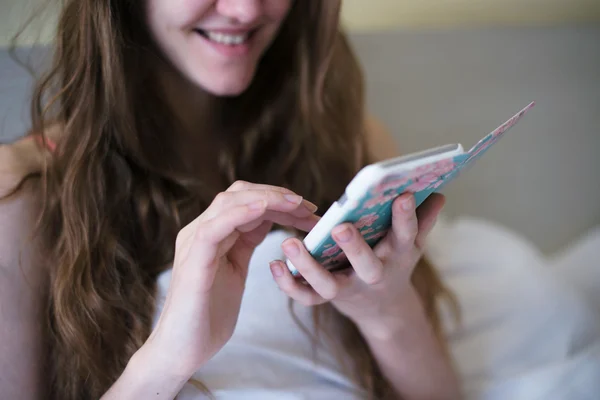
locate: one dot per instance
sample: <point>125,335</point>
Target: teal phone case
<point>372,215</point>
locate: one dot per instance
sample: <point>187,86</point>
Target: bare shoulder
<point>22,278</point>
<point>23,159</point>
<point>18,213</point>
<point>20,163</point>
<point>380,141</point>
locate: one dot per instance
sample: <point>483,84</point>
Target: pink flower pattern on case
<point>429,180</point>
<point>426,177</point>
<point>392,184</point>
<point>379,200</point>
<point>331,251</point>
<point>366,221</point>
<point>377,235</point>
<point>439,168</point>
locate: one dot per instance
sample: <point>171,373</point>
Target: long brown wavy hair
<point>116,193</point>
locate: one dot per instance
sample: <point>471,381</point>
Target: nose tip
<point>243,11</point>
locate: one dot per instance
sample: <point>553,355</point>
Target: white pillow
<point>522,328</point>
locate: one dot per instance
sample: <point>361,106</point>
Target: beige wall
<point>380,14</point>
<point>14,14</point>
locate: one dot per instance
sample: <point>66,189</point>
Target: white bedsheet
<point>531,324</point>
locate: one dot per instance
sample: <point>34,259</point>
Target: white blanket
<point>531,324</point>
<point>529,332</point>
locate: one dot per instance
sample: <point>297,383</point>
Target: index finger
<point>366,265</point>
<point>238,186</point>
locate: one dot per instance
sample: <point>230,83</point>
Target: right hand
<point>210,268</point>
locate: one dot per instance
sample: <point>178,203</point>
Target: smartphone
<point>367,200</point>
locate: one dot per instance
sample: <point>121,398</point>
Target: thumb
<point>257,235</point>
<point>246,244</point>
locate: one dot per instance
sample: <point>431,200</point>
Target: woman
<point>150,126</point>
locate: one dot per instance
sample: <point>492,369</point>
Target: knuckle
<point>180,239</point>
<point>184,234</point>
<point>357,251</point>
<point>202,234</point>
<point>270,196</point>
<point>331,293</point>
<point>263,193</point>
<point>238,185</point>
<point>287,287</point>
<point>374,277</point>
<point>408,234</point>
<point>222,199</point>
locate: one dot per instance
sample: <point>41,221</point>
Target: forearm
<point>410,355</point>
<point>145,378</point>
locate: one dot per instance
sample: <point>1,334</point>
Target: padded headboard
<point>543,178</point>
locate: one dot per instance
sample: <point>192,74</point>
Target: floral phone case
<point>370,212</point>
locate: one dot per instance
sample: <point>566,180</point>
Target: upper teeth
<point>225,38</point>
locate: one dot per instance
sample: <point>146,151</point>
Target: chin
<point>229,85</point>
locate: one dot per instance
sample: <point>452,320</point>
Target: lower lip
<point>236,50</point>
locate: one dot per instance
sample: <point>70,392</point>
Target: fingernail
<point>293,198</point>
<point>342,233</point>
<point>276,269</point>
<point>312,207</point>
<point>408,204</point>
<point>291,249</point>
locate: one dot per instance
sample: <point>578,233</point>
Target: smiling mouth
<point>229,39</point>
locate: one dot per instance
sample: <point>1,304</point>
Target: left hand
<point>372,293</point>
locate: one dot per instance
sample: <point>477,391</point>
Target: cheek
<point>160,20</point>
<point>166,17</point>
<point>167,21</point>
<point>277,10</point>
